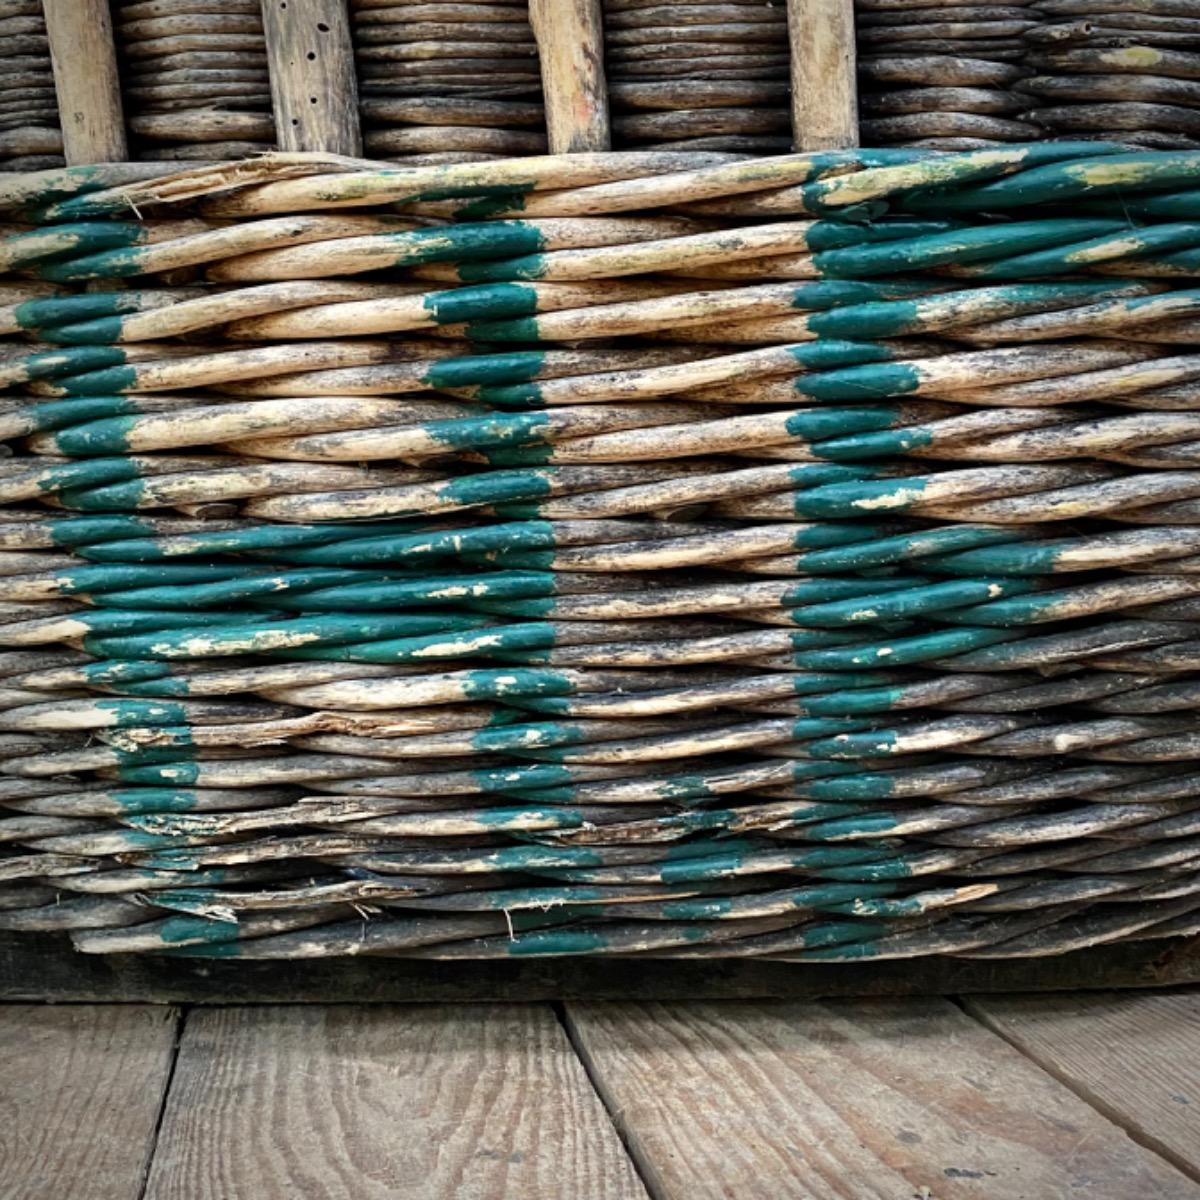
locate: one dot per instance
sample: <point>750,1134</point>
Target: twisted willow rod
<point>658,554</point>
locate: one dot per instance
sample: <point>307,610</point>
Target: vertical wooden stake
<point>570,38</point>
<point>84,59</point>
<point>314,90</point>
<point>824,92</point>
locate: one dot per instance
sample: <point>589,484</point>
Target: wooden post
<point>84,59</point>
<point>824,92</point>
<point>314,90</point>
<point>570,38</point>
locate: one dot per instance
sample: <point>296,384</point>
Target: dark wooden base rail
<point>46,968</point>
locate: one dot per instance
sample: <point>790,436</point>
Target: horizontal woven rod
<point>585,178</point>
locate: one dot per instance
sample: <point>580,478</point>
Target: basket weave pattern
<point>604,554</point>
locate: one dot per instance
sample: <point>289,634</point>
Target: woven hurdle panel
<point>1126,70</point>
<point>944,76</point>
<point>684,553</point>
<point>791,559</point>
<point>450,82</point>
<point>202,80</point>
<point>194,78</point>
<point>424,83</point>
<point>698,76</point>
<point>30,135</point>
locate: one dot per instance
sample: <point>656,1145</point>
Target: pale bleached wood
<point>824,91</point>
<point>314,89</point>
<point>570,38</point>
<point>80,1093</point>
<point>849,1101</point>
<point>84,59</point>
<point>1135,1057</point>
<point>370,1103</point>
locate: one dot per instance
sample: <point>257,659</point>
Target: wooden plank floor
<point>1087,1096</point>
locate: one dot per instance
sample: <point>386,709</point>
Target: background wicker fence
<point>466,81</point>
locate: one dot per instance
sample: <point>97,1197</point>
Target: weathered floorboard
<point>364,1103</point>
<point>850,1101</point>
<point>1135,1058</point>
<point>80,1093</point>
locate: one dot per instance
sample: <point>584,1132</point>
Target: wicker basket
<point>605,554</point>
<point>669,553</point>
